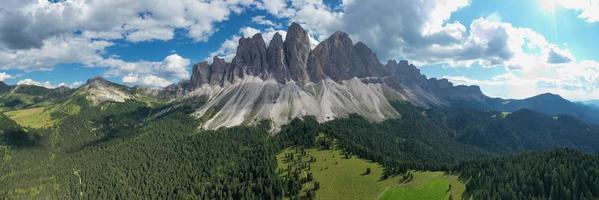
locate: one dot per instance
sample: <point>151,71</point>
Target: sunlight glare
<point>547,5</point>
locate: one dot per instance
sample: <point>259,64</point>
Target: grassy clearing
<point>342,178</point>
<point>427,185</point>
<point>33,117</point>
<point>40,117</point>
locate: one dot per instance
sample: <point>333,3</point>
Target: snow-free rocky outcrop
<point>99,90</point>
<point>288,79</point>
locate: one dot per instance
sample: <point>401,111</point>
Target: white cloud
<point>28,81</point>
<point>588,9</point>
<point>48,84</point>
<point>421,32</point>
<point>146,80</point>
<point>5,76</point>
<point>276,7</point>
<point>55,50</point>
<point>175,67</point>
<point>38,34</point>
<point>263,21</point>
<point>151,74</point>
<point>27,24</point>
<point>576,81</point>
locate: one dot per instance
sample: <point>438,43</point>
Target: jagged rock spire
<point>275,57</point>
<point>297,50</point>
<point>251,56</point>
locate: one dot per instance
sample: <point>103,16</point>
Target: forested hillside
<point>558,174</point>
<point>117,151</point>
<point>137,150</point>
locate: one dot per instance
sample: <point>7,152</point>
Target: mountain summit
<point>336,58</point>
<point>288,79</point>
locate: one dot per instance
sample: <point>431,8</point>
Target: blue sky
<point>511,48</point>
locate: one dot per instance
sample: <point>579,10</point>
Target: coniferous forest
<point>130,151</point>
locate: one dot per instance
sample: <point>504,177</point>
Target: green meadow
<point>340,177</point>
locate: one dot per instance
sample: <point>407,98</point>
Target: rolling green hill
<point>29,96</point>
<point>341,177</point>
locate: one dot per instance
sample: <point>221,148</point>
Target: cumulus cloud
<point>588,9</point>
<point>38,34</point>
<point>26,24</point>
<point>422,32</point>
<point>577,81</point>
<point>5,76</point>
<point>53,51</point>
<point>48,84</point>
<point>263,21</point>
<point>146,80</point>
<point>150,74</point>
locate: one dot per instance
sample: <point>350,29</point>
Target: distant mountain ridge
<point>550,104</point>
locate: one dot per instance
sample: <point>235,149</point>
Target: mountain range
<point>287,79</point>
<point>282,118</point>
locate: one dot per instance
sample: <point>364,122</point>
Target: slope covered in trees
<point>558,174</point>
<point>124,151</point>
<point>132,150</point>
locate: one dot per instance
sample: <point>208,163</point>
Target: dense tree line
<point>13,135</point>
<point>131,151</point>
<point>415,141</point>
<point>558,174</point>
<point>506,133</point>
<point>126,151</point>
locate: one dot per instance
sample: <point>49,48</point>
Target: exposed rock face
<point>99,90</point>
<point>340,59</point>
<point>217,69</point>
<point>175,90</point>
<point>286,79</point>
<point>200,74</point>
<point>335,55</point>
<point>366,64</point>
<point>275,58</point>
<point>297,50</point>
<point>252,99</point>
<point>97,82</point>
<point>422,91</point>
<point>251,57</point>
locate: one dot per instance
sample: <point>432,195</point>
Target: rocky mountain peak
<point>341,59</point>
<point>297,49</point>
<point>98,90</point>
<point>251,56</point>
<point>275,57</point>
<point>200,74</point>
<point>340,38</point>
<point>62,89</point>
<point>98,81</point>
<point>337,58</point>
